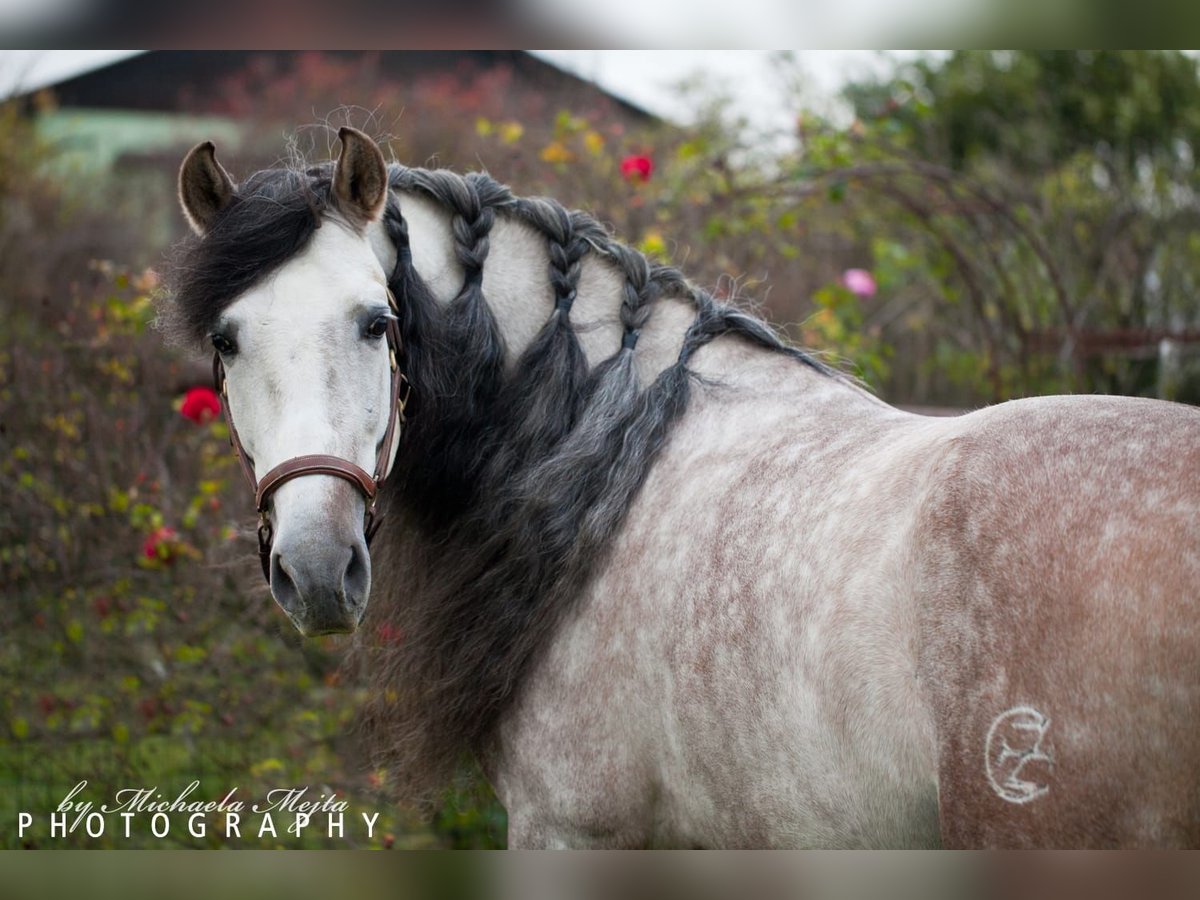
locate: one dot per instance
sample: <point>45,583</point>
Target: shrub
<point>141,649</point>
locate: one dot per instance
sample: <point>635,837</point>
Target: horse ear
<point>205,188</point>
<point>360,179</point>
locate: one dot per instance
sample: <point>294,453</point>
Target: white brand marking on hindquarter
<point>1014,741</point>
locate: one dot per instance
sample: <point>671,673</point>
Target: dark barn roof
<point>159,80</point>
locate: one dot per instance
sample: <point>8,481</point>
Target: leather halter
<point>321,463</point>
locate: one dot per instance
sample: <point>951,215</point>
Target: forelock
<point>272,218</point>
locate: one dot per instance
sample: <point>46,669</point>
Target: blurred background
<point>956,228</point>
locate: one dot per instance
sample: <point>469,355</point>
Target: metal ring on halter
<point>321,463</point>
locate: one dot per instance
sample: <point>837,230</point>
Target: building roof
<point>151,80</point>
<point>25,71</point>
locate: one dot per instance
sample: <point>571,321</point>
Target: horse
<point>670,580</point>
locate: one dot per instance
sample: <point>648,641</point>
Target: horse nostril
<point>282,586</point>
<point>357,578</point>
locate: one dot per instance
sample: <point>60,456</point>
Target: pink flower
<point>389,633</point>
<point>860,282</point>
<point>637,168</point>
<point>200,404</point>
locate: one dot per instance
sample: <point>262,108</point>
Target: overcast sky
<point>647,77</point>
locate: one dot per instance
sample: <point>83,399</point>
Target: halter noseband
<point>321,463</point>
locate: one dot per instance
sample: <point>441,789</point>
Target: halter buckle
<point>403,396</point>
<point>266,536</point>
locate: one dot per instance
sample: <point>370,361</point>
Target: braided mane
<point>510,482</point>
<point>513,483</point>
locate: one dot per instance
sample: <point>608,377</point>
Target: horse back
<point>1060,635</point>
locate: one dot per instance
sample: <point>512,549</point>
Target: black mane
<point>509,485</point>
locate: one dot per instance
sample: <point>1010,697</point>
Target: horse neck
<point>535,342</point>
<point>549,367</point>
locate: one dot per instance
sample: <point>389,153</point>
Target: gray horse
<point>671,581</point>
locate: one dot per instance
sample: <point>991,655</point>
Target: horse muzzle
<point>322,582</point>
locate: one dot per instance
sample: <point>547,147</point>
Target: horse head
<point>305,356</point>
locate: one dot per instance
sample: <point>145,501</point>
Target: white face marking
<point>307,378</point>
<point>1015,741</point>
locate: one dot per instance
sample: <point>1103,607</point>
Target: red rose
<point>161,544</point>
<point>637,168</point>
<point>200,404</point>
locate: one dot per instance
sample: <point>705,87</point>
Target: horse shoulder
<point>740,671</point>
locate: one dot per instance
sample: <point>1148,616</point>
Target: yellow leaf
<point>652,244</point>
<point>267,765</point>
<point>594,141</point>
<point>186,653</point>
<point>556,152</point>
<point>510,132</point>
<point>20,728</point>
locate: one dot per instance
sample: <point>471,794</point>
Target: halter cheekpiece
<point>320,463</point>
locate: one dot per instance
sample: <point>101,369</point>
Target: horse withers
<point>672,581</point>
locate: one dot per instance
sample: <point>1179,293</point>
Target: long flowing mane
<point>510,480</point>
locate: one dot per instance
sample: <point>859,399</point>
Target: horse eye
<point>378,327</point>
<point>223,345</point>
